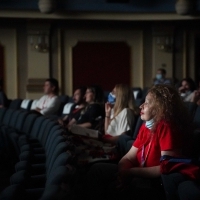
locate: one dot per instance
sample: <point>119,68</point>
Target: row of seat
<point>37,145</point>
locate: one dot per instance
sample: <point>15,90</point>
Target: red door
<point>101,63</point>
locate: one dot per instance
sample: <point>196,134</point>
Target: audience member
<point>186,88</point>
<point>166,125</point>
<point>3,97</point>
<point>93,112</point>
<point>120,110</point>
<point>79,105</point>
<point>49,103</point>
<point>161,77</point>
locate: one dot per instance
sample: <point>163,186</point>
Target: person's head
<point>163,102</point>
<point>94,94</point>
<point>51,86</point>
<point>188,85</point>
<point>161,73</point>
<point>124,98</point>
<point>79,95</point>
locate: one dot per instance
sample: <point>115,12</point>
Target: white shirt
<point>48,105</point>
<point>122,123</point>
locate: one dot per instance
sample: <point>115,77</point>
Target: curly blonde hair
<point>169,107</point>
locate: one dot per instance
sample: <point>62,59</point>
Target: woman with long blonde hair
<point>120,112</point>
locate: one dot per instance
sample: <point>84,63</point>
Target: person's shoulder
<point>167,81</point>
<point>43,97</point>
<point>163,124</point>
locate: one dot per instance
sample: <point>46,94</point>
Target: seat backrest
<point>2,114</point>
<point>26,104</point>
<point>20,120</point>
<point>61,160</point>
<point>60,148</point>
<point>137,92</point>
<point>58,175</point>
<point>55,130</point>
<point>15,104</point>
<point>34,104</point>
<point>37,126</point>
<point>63,98</point>
<point>197,118</point>
<point>14,118</point>
<point>7,117</point>
<point>44,135</point>
<point>67,108</point>
<point>28,123</point>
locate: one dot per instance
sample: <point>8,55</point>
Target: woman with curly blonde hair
<point>166,125</point>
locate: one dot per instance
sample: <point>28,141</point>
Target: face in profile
<point>147,108</point>
<point>185,85</point>
<point>89,96</point>
<point>48,89</point>
<point>77,97</point>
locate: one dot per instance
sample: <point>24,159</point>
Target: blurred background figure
<point>161,77</point>
<point>79,105</point>
<point>186,88</point>
<point>49,103</point>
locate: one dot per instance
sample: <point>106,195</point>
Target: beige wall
<point>23,63</point>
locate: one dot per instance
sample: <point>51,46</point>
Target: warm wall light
<point>163,38</point>
<point>164,43</point>
<point>39,41</point>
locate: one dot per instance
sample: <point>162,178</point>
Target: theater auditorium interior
<point>99,99</point>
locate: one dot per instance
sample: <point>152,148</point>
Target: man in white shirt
<point>49,103</point>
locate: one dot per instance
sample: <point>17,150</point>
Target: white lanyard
<point>143,157</point>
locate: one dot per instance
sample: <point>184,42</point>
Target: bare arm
<point>145,172</point>
<point>129,160</point>
<point>107,122</point>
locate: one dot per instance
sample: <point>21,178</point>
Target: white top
<point>186,96</point>
<point>122,123</point>
<point>48,105</point>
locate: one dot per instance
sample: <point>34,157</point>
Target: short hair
<point>54,83</point>
<point>98,92</point>
<point>163,71</point>
<point>82,90</point>
<point>190,82</point>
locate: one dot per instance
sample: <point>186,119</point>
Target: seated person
<point>79,100</point>
<point>160,77</point>
<point>3,97</point>
<point>166,126</point>
<point>120,113</point>
<point>49,103</point>
<point>186,88</point>
<point>94,111</point>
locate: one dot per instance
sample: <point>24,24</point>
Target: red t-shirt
<point>162,139</point>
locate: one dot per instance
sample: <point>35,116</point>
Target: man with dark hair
<point>79,105</point>
<point>161,77</point>
<point>49,103</point>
